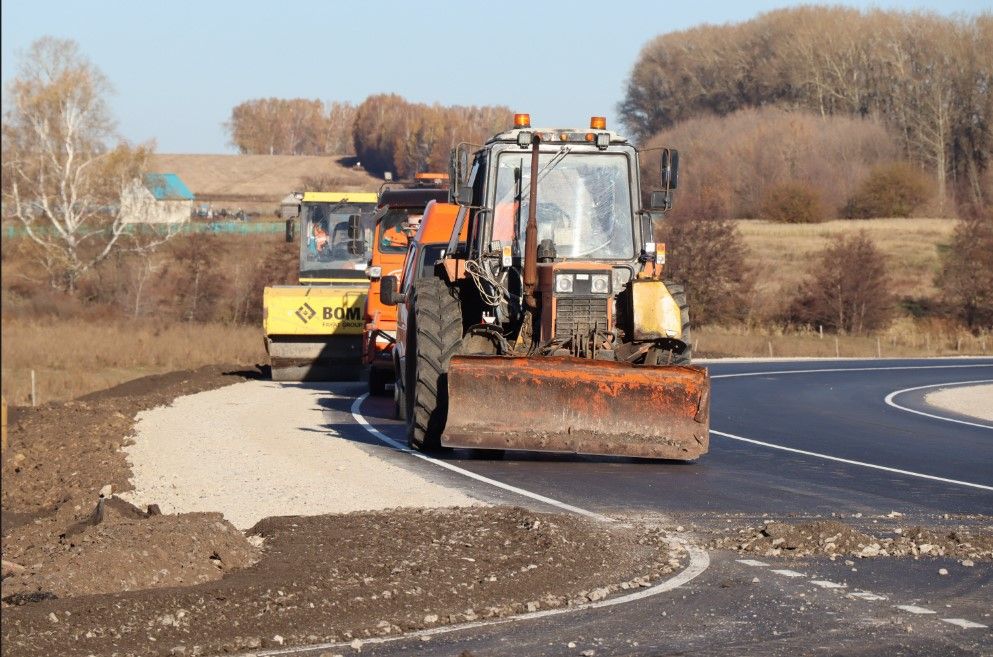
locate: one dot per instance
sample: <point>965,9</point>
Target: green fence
<point>218,227</point>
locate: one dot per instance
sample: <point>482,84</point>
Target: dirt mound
<point>64,451</point>
<point>833,538</point>
<point>353,576</point>
<point>119,548</point>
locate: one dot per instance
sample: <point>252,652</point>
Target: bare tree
<point>709,257</point>
<point>966,276</point>
<point>847,289</point>
<point>61,180</point>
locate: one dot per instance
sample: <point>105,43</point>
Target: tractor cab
<point>553,306</point>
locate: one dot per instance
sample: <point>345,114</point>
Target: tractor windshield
<point>584,203</point>
<point>334,239</point>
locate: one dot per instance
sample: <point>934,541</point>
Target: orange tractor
<point>547,325</point>
<point>398,214</point>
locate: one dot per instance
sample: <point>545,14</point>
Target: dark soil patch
<point>833,538</point>
<point>126,550</point>
<point>60,456</point>
<point>347,577</point>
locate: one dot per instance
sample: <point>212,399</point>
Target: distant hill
<point>260,178</point>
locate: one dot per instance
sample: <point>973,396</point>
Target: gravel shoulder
<point>258,449</point>
<point>974,401</point>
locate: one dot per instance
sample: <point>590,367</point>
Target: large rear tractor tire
<point>434,335</point>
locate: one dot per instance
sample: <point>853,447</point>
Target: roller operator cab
<point>551,327</point>
<point>313,331</point>
<point>398,215</point>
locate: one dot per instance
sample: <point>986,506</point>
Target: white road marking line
<point>786,572</point>
<point>848,369</point>
<point>890,397</point>
<point>961,622</point>
<point>825,584</point>
<point>851,462</point>
<point>866,595</point>
<point>699,559</point>
<point>914,609</point>
<point>752,562</point>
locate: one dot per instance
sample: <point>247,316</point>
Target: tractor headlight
<point>600,283</point>
<point>563,283</point>
<point>621,276</point>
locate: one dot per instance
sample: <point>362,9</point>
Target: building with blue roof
<point>157,198</point>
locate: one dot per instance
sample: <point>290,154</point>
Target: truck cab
<point>398,215</point>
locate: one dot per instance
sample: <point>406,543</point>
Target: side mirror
<point>291,225</point>
<point>388,293</point>
<point>459,170</point>
<point>669,168</point>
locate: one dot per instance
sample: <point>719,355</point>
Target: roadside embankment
<point>161,570</point>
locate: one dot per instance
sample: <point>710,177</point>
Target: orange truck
<point>397,218</point>
<point>427,247</point>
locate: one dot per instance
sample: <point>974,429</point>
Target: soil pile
<point>119,548</point>
<point>830,537</point>
<point>64,534</point>
<point>353,576</point>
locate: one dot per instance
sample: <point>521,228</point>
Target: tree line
<point>928,78</point>
<point>295,126</point>
<point>386,132</point>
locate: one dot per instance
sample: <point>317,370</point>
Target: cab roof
<point>339,197</point>
<point>412,198</point>
<point>551,135</point>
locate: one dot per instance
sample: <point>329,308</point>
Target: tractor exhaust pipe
<point>531,232</point>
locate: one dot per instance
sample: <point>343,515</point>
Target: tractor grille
<point>579,316</point>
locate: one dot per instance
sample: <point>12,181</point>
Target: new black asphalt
<point>831,409</point>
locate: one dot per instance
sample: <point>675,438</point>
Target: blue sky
<point>179,67</point>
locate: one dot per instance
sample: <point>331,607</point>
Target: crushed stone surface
<point>346,578</point>
<point>974,401</point>
<point>834,538</point>
<point>258,449</point>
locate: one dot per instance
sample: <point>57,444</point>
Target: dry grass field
<point>264,178</point>
<point>781,253</point>
<point>79,348</point>
<point>72,357</point>
<point>905,338</point>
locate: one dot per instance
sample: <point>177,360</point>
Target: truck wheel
<point>399,405</point>
<point>434,333</point>
<point>378,379</point>
<point>670,356</point>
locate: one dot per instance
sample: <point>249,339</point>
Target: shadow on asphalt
<point>379,412</point>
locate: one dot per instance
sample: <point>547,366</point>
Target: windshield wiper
<point>552,163</point>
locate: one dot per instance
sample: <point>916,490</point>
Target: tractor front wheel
<point>434,335</point>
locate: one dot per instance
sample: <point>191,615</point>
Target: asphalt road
<point>830,444</point>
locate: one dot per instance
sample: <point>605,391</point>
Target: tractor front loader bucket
<point>564,404</point>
